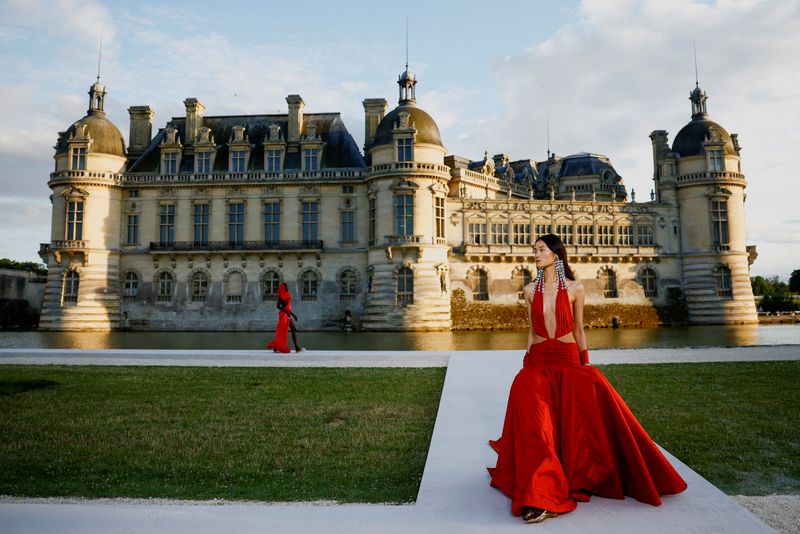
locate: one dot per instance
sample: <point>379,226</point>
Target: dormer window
<point>716,163</point>
<point>78,158</point>
<point>274,160</point>
<point>238,160</point>
<point>311,157</point>
<point>203,161</point>
<point>170,163</point>
<point>405,149</point>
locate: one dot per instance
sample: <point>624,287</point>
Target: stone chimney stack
<point>374,111</point>
<point>141,131</point>
<point>194,119</point>
<point>296,106</point>
<point>660,146</point>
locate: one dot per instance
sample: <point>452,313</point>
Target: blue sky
<point>606,72</point>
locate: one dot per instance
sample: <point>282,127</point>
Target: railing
<point>399,240</point>
<point>343,174</point>
<point>67,175</point>
<point>711,175</point>
<point>67,245</point>
<point>409,166</point>
<point>191,246</point>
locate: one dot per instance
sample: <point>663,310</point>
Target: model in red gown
<point>281,342</point>
<point>567,433</point>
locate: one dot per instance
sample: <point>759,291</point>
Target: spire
<point>407,81</point>
<point>97,92</point>
<point>697,96</point>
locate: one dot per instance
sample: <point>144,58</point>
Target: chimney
<point>660,148</point>
<point>374,111</point>
<point>296,106</point>
<point>194,119</point>
<point>141,131</point>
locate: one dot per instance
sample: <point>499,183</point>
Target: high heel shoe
<point>537,515</point>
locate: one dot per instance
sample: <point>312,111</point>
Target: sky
<point>602,73</point>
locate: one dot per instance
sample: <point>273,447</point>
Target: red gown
<point>281,342</point>
<point>568,434</point>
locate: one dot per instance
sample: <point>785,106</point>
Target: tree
<point>794,281</point>
<point>37,268</point>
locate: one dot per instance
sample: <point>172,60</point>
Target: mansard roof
<point>340,149</point>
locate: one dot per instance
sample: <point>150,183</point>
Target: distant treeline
<point>31,266</point>
<point>776,295</point>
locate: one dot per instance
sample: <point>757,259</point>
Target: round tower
<point>709,188</point>
<point>407,191</point>
<point>82,291</point>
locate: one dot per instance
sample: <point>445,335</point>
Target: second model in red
<point>567,433</point>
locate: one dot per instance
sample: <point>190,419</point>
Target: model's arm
<point>527,291</point>
<point>577,321</point>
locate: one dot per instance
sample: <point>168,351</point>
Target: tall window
<point>719,223</point>
<point>724,282</point>
<point>199,287</point>
<point>624,235</point>
<point>564,231</point>
<point>310,220</point>
<point>479,282</point>
<point>130,287</point>
<point>371,221</point>
<point>438,217</point>
<point>404,214</point>
<point>237,160</point>
<point>74,220</point>
<point>274,160</point>
<point>234,287</point>
<point>585,234</point>
<point>71,282</point>
<point>499,233</point>
<point>715,161</point>
<point>347,285</point>
<point>269,286</point>
<point>648,279</point>
<point>348,226</point>
<point>200,224</point>
<point>405,286</point>
<point>236,223</point>
<point>521,279</point>
<point>170,163</point>
<point>79,159</point>
<point>203,162</point>
<point>272,222</point>
<point>167,224</point>
<point>405,151</point>
<point>476,233</point>
<point>522,234</point>
<point>541,229</point>
<point>644,235</point>
<point>605,234</point>
<point>165,286</point>
<point>348,189</point>
<point>133,229</point>
<point>609,281</point>
<point>311,159</point>
<point>308,286</point>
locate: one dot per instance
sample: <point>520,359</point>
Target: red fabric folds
<point>568,435</point>
<point>564,324</point>
<point>280,342</point>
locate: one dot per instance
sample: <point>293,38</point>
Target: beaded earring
<point>538,283</point>
<point>561,274</point>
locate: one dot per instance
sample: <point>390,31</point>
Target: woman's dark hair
<point>555,244</point>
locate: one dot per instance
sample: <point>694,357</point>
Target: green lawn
<point>270,434</point>
<point>735,423</point>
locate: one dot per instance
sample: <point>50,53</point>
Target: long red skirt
<point>281,342</point>
<point>568,435</point>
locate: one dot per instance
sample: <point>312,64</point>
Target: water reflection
<point>684,336</point>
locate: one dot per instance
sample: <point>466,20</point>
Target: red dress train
<point>280,342</point>
<point>568,434</point>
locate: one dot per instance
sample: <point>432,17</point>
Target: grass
<point>267,434</point>
<point>735,423</point>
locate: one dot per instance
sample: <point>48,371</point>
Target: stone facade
<point>193,228</point>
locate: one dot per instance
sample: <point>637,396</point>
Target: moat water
<point>623,338</point>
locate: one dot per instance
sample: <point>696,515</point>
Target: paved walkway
<point>454,494</point>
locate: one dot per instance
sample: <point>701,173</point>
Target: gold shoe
<point>537,515</point>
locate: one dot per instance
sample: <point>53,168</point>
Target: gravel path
<point>781,512</point>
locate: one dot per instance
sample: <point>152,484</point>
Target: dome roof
<point>106,138</point>
<point>689,141</point>
<point>427,131</point>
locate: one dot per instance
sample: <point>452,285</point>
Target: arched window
<point>405,286</point>
<point>234,287</point>
<point>165,286</point>
<point>71,283</point>
<point>648,279</point>
<point>130,286</point>
<point>269,286</point>
<point>521,279</point>
<point>308,286</point>
<point>609,280</point>
<point>480,284</point>
<point>347,285</point>
<point>724,282</point>
<point>199,287</point>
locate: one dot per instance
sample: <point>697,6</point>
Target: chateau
<point>193,228</point>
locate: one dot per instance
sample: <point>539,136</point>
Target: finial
<point>547,119</point>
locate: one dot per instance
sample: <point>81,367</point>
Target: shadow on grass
<point>8,388</point>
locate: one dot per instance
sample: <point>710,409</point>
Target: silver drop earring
<point>560,274</point>
<point>538,284</point>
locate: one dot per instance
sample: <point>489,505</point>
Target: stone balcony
<point>237,246</point>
